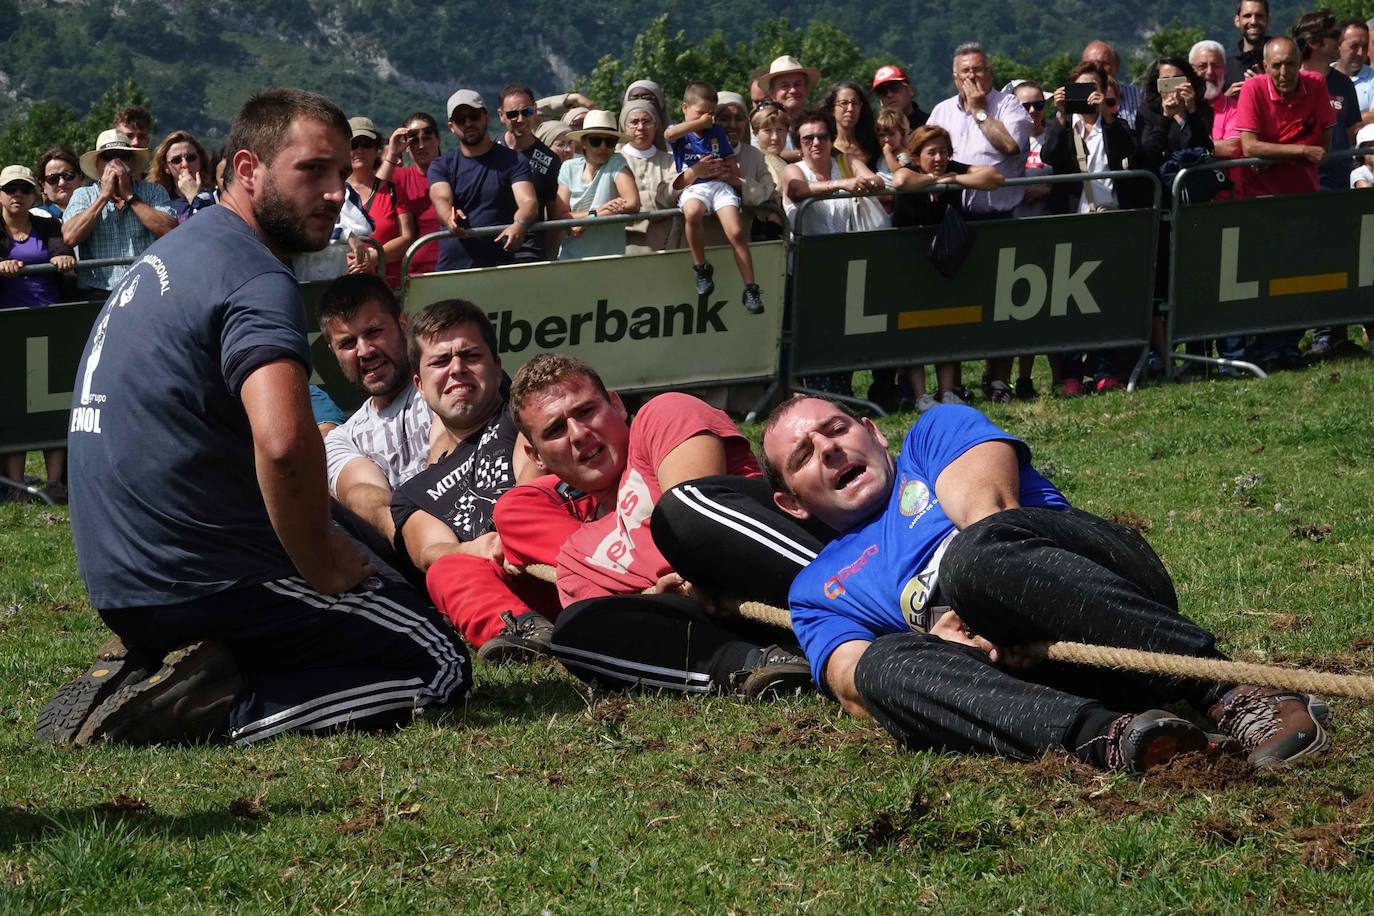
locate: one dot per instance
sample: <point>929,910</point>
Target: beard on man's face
<point>288,227</point>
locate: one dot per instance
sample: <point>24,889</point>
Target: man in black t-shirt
<point>444,514</point>
<point>518,113</point>
<point>242,612</point>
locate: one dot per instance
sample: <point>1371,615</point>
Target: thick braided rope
<point>1205,669</point>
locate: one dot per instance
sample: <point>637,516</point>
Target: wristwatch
<point>903,159</point>
<point>980,116</point>
<point>591,214</point>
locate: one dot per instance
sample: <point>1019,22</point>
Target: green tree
<point>45,124</point>
<point>1172,40</point>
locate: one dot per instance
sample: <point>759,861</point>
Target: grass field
<point>538,795</point>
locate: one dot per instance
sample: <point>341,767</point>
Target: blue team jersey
<point>691,148</point>
<point>877,578</point>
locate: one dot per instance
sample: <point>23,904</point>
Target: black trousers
<point>312,662</point>
<point>725,536</point>
<point>1027,575</point>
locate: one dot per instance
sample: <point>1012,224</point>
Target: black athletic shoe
<point>1137,743</point>
<point>62,718</point>
<point>705,284</point>
<point>1274,727</point>
<point>753,302</point>
<point>526,638</point>
<point>187,699</point>
<point>776,672</point>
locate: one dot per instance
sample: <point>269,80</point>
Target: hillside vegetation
<point>197,61</point>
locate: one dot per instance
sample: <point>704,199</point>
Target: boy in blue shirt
<point>708,174</point>
<point>959,536</point>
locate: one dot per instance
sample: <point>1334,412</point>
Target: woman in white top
<point>597,183</point>
<point>653,169</point>
<point>818,174</point>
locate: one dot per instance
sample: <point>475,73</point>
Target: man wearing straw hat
<point>954,563</point>
<point>119,215</point>
<point>789,83</point>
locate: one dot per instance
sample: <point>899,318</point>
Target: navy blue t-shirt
<point>877,578</point>
<point>482,190</point>
<point>165,504</point>
<point>691,148</point>
<point>1335,174</point>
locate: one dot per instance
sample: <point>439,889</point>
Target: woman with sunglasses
<point>384,203</point>
<point>818,174</point>
<point>182,167</point>
<point>59,174</point>
<point>30,239</point>
<point>597,183</point>
<point>418,136</point>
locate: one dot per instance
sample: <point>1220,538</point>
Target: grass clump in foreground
<point>540,795</point>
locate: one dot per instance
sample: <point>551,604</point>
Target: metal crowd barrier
<point>873,300</point>
<point>1236,266</point>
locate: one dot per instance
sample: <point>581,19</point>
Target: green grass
<point>538,795</point>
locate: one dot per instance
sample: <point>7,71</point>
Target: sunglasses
<point>808,139</point>
<point>17,187</point>
<point>1034,106</point>
<point>363,143</point>
<point>423,133</point>
<point>463,117</point>
<point>1111,101</point>
<point>885,88</point>
<point>121,156</point>
<point>513,113</point>
<point>55,177</point>
<point>187,158</point>
<point>766,104</point>
<point>596,141</point>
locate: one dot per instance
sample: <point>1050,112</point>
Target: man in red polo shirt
<point>1285,114</point>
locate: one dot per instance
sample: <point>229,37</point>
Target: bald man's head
<point>1282,62</point>
<point>1104,55</point>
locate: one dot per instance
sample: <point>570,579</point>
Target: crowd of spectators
<point>730,163</point>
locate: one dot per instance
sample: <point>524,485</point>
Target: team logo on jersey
<point>915,496</point>
<point>834,586</point>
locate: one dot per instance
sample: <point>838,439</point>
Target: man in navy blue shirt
<point>953,562</point>
<point>480,184</point>
<point>242,611</point>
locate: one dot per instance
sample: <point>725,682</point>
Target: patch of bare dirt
<point>1131,520</point>
<point>125,804</point>
<point>250,807</point>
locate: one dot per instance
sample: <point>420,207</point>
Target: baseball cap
<point>469,98</point>
<point>1366,135</point>
<point>17,173</point>
<point>363,127</point>
<point>889,74</point>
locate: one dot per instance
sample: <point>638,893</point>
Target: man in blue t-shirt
<point>477,185</point>
<point>200,510</point>
<point>954,564</point>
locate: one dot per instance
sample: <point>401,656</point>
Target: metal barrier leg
<point>769,394</point>
<point>1240,364</point>
<point>36,493</point>
<point>846,398</point>
<point>1141,362</point>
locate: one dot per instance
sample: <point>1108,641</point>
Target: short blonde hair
<point>891,119</point>
<point>765,115</point>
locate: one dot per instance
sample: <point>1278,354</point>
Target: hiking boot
<point>1274,727</point>
<point>187,699</point>
<point>1025,390</point>
<point>1107,383</point>
<point>526,638</point>
<point>999,392</point>
<point>776,672</point>
<point>952,397</point>
<point>68,710</point>
<point>1145,740</point>
<point>1070,388</point>
<point>924,403</point>
<point>753,302</point>
<point>705,285</point>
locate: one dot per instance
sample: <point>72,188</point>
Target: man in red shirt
<point>1285,114</point>
<point>628,617</point>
